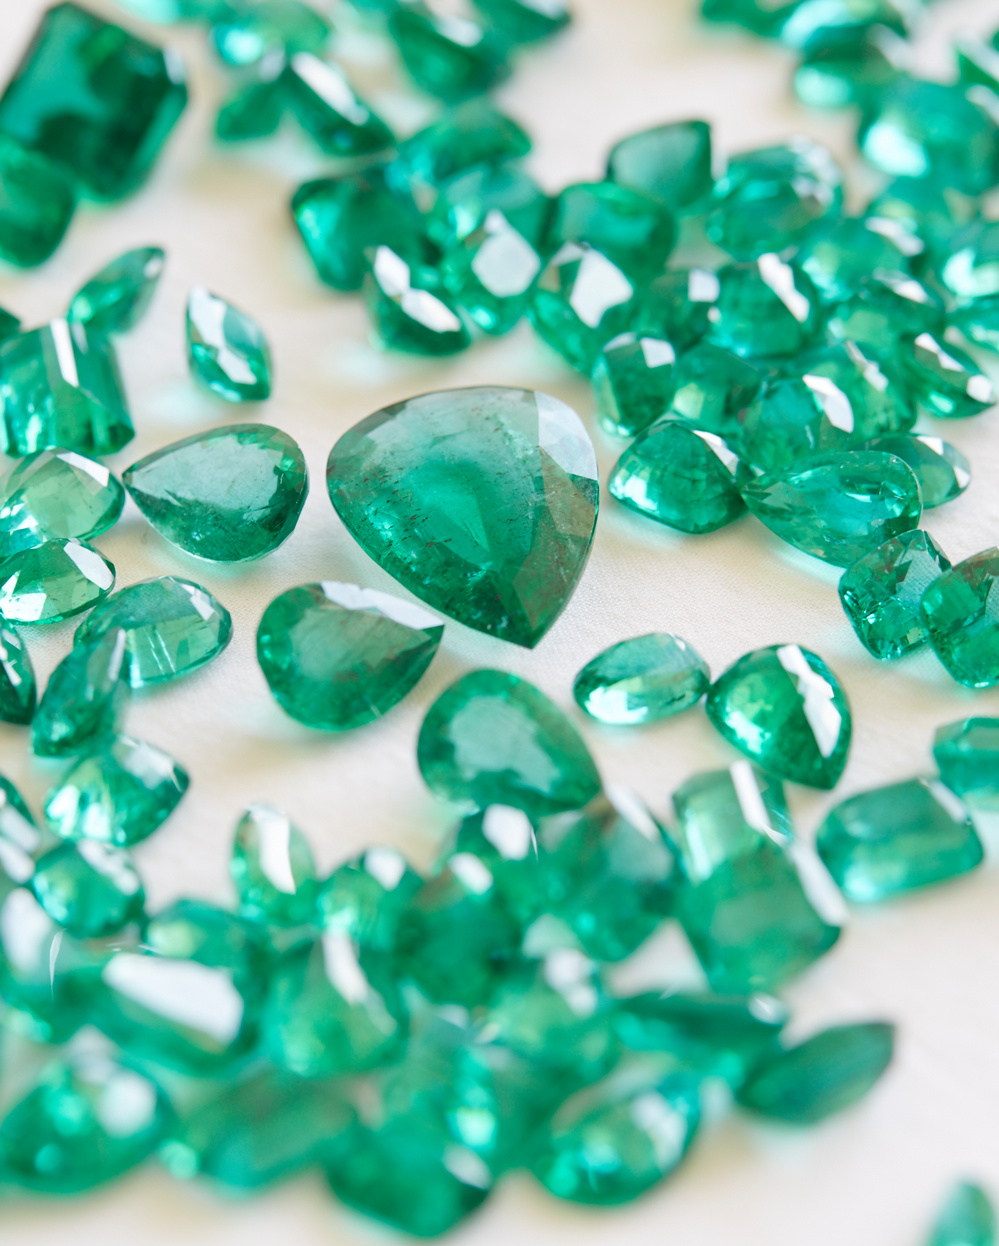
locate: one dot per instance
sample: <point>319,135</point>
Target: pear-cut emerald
<point>941,469</point>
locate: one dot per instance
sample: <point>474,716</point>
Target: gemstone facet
<point>581,301</point>
<point>115,299</point>
<point>941,469</point>
<point>327,109</point>
<point>57,493</point>
<point>966,1219</point>
<point>89,888</point>
<point>672,163</point>
<point>967,756</point>
<point>963,633</point>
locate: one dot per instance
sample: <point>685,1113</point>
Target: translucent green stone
<point>480,501</point>
<point>581,301</point>
<point>679,476</point>
<point>83,699</point>
<point>336,656</point>
<point>326,107</point>
<point>84,1122</point>
<point>60,387</point>
<point>979,322</point>
<point>253,110</point>
<point>712,387</point>
<point>366,896</point>
<point>837,256</point>
<point>785,709</point>
<point>9,324</point>
<point>846,65</point>
<point>491,273</point>
<point>825,1074</point>
<point>57,493</point>
<point>795,418</point>
<point>494,739</point>
<point>872,384</point>
<point>464,202</point>
<point>967,756</point>
<point>523,21</point>
<point>201,932</point>
<point>169,11</point>
<point>763,19</point>
<point>17,679</point>
<point>409,311</point>
<point>672,163</point>
<point>52,582</point>
<point>884,308</point>
<point>642,680</point>
<point>633,230</point>
<point>90,889</point>
<point>226,350</point>
<point>633,383</point>
<point>765,307</point>
<point>118,795</point>
<point>928,211</point>
<point>171,627</point>
<point>977,63</point>
<point>473,133</point>
<point>966,1219</point>
<point>450,57</point>
<point>838,507</point>
<point>504,840</point>
<point>12,806</point>
<point>963,633</point>
<point>944,380</point>
<point>37,201</point>
<point>115,299</point>
<point>246,32</point>
<point>676,306</point>
<point>272,869</point>
<point>94,98</point>
<point>969,267</point>
<point>813,19</point>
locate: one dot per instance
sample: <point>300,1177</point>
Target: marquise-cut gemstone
<point>326,107</point>
<point>633,230</point>
<point>979,322</point>
<point>451,57</point>
<point>480,501</point>
<point>523,21</point>
<point>581,301</point>
<point>712,387</point>
<point>963,631</point>
<point>272,869</point>
<point>941,469</point>
<point>246,33</point>
<point>83,699</point>
<point>764,307</point>
<point>677,304</point>
<point>966,1219</point>
<point>633,383</point>
<point>945,380</point>
<point>115,299</point>
<point>17,679</point>
<point>52,582</point>
<point>642,680</point>
<point>967,756</point>
<point>672,163</point>
<point>226,350</point>
<point>491,273</point>
<point>89,888</point>
<point>57,493</point>
<point>839,255</point>
<point>471,134</point>
<point>785,709</point>
<point>37,200</point>
<point>409,311</point>
<point>883,308</point>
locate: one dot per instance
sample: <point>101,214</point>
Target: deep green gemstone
<point>253,110</point>
<point>633,383</point>
<point>945,380</point>
<point>53,581</point>
<point>336,656</point>
<point>408,310</point>
<point>450,57</point>
<point>712,387</point>
<point>883,308</point>
<point>57,493</point>
<point>246,32</point>
<point>963,632</point>
<point>17,679</point>
<point>272,869</point>
<point>839,255</point>
<point>118,794</point>
<point>826,1073</point>
<point>94,98</point>
<point>37,201</point>
<point>672,163</point>
<point>480,501</point>
<point>89,888</point>
<point>763,19</point>
<point>226,350</point>
<point>967,756</point>
<point>491,274</point>
<point>365,898</point>
<point>795,418</point>
<point>171,627</point>
<point>504,840</point>
<point>966,1219</point>
<point>969,265</point>
<point>978,321</point>
<point>765,307</point>
<point>881,593</point>
<point>676,306</point>
<point>642,680</point>
<point>471,134</point>
<point>846,65</point>
<point>115,299</point>
<point>872,384</point>
<point>326,107</point>
<point>838,507</point>
<point>494,739</point>
<point>977,63</point>
<point>633,230</point>
<point>926,210</point>
<point>465,201</point>
<point>679,476</point>
<point>785,709</point>
<point>523,21</point>
<point>59,387</point>
<point>581,301</point>
<point>83,699</point>
<point>9,324</point>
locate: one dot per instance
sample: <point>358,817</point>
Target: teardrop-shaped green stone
<point>89,888</point>
<point>272,869</point>
<point>409,309</point>
<point>116,298</point>
<point>17,679</point>
<point>450,57</point>
<point>83,699</point>
<point>328,110</point>
<point>966,1219</point>
<point>53,581</point>
<point>57,493</point>
<point>641,680</point>
<point>226,350</point>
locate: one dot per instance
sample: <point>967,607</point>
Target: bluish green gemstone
<point>581,301</point>
<point>327,108</point>
<point>365,898</point>
<point>977,63</point>
<point>978,321</point>
<point>944,379</point>
<point>969,267</point>
<point>37,201</point>
<point>273,870</point>
<point>672,163</point>
<point>884,308</point>
<point>17,679</point>
<point>963,632</point>
<point>245,33</point>
<point>89,888</point>
<point>464,202</point>
<point>472,134</point>
<point>813,19</point>
<point>57,493</point>
<point>837,256</point>
<point>504,840</point>
<point>795,418</point>
<point>847,65</point>
<point>712,387</point>
<point>11,804</point>
<point>642,680</point>
<point>491,274</point>
<point>764,307</point>
<point>871,382</point>
<point>967,756</point>
<point>450,57</point>
<point>765,20</point>
<point>166,12</point>
<point>523,21</point>
<point>253,110</point>
<point>408,309</point>
<point>966,1219</point>
<point>226,350</point>
<point>208,935</point>
<point>634,231</point>
<point>53,581</point>
<point>928,211</point>
<point>676,306</point>
<point>633,383</point>
<point>115,299</point>
<point>941,469</point>
<point>83,699</point>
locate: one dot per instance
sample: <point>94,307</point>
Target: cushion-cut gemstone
<point>967,756</point>
<point>115,299</point>
<point>326,107</point>
<point>581,301</point>
<point>883,308</point>
<point>712,387</point>
<point>963,631</point>
<point>491,273</point>
<point>37,200</point>
<point>633,382</point>
<point>452,57</point>
<point>17,679</point>
<point>473,133</point>
<point>966,1219</point>
<point>83,699</point>
<point>272,869</point>
<point>979,322</point>
<point>633,230</point>
<point>494,739</point>
<point>969,266</point>
<point>672,163</point>
<point>94,98</point>
<point>246,32</point>
<point>465,201</point>
<point>881,593</point>
<point>504,840</point>
<point>523,21</point>
<point>226,350</point>
<point>945,380</point>
<point>677,305</point>
<point>764,307</point>
<point>57,493</point>
<point>839,255</point>
<point>642,680</point>
<point>873,385</point>
<point>480,501</point>
<point>785,709</point>
<point>52,582</point>
<point>795,418</point>
<point>408,309</point>
<point>847,65</point>
<point>336,656</point>
<point>89,888</point>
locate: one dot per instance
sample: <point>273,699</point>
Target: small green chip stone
<point>52,582</point>
<point>57,493</point>
<point>633,383</point>
<point>633,230</point>
<point>272,869</point>
<point>37,201</point>
<point>84,698</point>
<point>246,33</point>
<point>89,888</point>
<point>524,21</point>
<point>764,307</point>
<point>491,273</point>
<point>452,58</point>
<point>326,107</point>
<point>642,680</point>
<point>672,163</point>
<point>226,350</point>
<point>581,301</point>
<point>966,1219</point>
<point>712,387</point>
<point>944,379</point>
<point>941,469</point>
<point>409,311</point>
<point>963,633</point>
<point>967,756</point>
<point>17,679</point>
<point>115,299</point>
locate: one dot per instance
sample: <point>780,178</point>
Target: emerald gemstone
<point>979,322</point>
<point>881,593</point>
<point>893,839</point>
<point>813,19</point>
<point>118,794</point>
<point>83,699</point>
<point>327,108</point>
<point>633,230</point>
<point>480,501</point>
<point>115,299</point>
<point>494,739</point>
<point>228,495</point>
<point>465,201</point>
<point>53,581</point>
<point>254,110</point>
<point>838,507</point>
<point>450,57</point>
<point>764,307</point>
<point>963,632</point>
<point>194,930</point>
<point>969,267</point>
<point>504,840</point>
<point>491,274</point>
<point>967,1219</point>
<point>676,306</point>
<point>768,198</point>
<point>17,679</point>
<point>94,98</point>
<point>977,63</point>
<point>944,380</point>
<point>336,656</point>
<point>37,201</point>
<point>926,210</point>
<point>12,806</point>
<point>672,163</point>
<point>633,383</point>
<point>168,11</point>
<point>523,21</point>
<point>171,627</point>
<point>9,324</point>
<point>873,386</point>
<point>59,387</point>
<point>679,476</point>
<point>272,869</point>
<point>245,33</point>
<point>785,709</point>
<point>84,1122</point>
<point>642,680</point>
<point>847,65</point>
<point>89,888</point>
<point>837,256</point>
<point>471,134</point>
<point>408,310</point>
<point>826,1073</point>
<point>57,493</point>
<point>795,418</point>
<point>226,350</point>
<point>884,308</point>
<point>366,896</point>
<point>712,387</point>
<point>581,301</point>
<point>967,756</point>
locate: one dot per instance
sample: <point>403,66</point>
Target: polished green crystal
<point>471,134</point>
<point>883,308</point>
<point>978,321</point>
<point>272,869</point>
<point>494,739</point>
<point>89,888</point>
<point>491,273</point>
<point>847,65</point>
<point>480,501</point>
<point>825,1074</point>
<point>712,387</point>
<point>642,680</point>
<point>253,110</point>
<point>9,324</point>
<point>881,593</point>
<point>464,202</point>
<point>336,656</point>
<point>676,306</point>
<point>83,699</point>
<point>633,383</point>
<point>837,256</point>
<point>967,756</point>
<point>878,396</point>
<point>115,299</point>
<point>327,108</point>
<point>966,1219</point>
<point>451,57</point>
<point>504,840</point>
<point>764,307</point>
<point>523,21</point>
<point>795,418</point>
<point>633,230</point>
<point>945,380</point>
<point>672,163</point>
<point>56,493</point>
<point>245,33</point>
<point>969,265</point>
<point>812,19</point>
<point>118,794</point>
<point>581,301</point>
<point>226,350</point>
<point>785,709</point>
<point>365,898</point>
<point>928,211</point>
<point>17,679</point>
<point>679,476</point>
<point>94,98</point>
<point>53,581</point>
<point>37,201</point>
<point>963,632</point>
<point>409,311</point>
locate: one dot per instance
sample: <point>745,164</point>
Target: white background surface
<point>871,1177</point>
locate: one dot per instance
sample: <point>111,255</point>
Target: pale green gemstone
<point>89,888</point>
<point>115,299</point>
<point>642,680</point>
<point>272,869</point>
<point>966,1219</point>
<point>53,581</point>
<point>57,493</point>
<point>967,755</point>
<point>226,350</point>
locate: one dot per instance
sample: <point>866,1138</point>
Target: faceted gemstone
<point>59,387</point>
<point>17,679</point>
<point>883,308</point>
<point>84,1122</point>
<point>471,134</point>
<point>969,265</point>
<point>967,756</point>
<point>52,582</point>
<point>494,739</point>
<point>9,324</point>
<point>873,386</point>
<point>944,380</point>
<point>676,306</point>
<point>94,98</point>
<point>464,202</point>
<point>254,110</point>
<point>672,163</point>
<point>326,107</point>
<point>210,936</point>
<point>118,794</point>
<point>847,65</point>
<point>979,322</point>
<point>57,493</point>
<point>480,501</point>
<point>246,32</point>
<point>642,680</point>
<point>924,209</point>
<point>450,57</point>
<point>336,656</point>
<point>171,627</point>
<point>765,307</point>
<point>12,807</point>
<point>272,869</point>
<point>89,888</point>
<point>523,21</point>
<point>812,19</point>
<point>366,896</point>
<point>765,20</point>
<point>633,230</point>
<point>37,200</point>
<point>679,476</point>
<point>581,301</point>
<point>633,383</point>
<point>881,593</point>
<point>768,198</point>
<point>838,255</point>
<point>784,708</point>
<point>963,632</point>
<point>838,507</point>
<point>795,418</point>
<point>966,1219</point>
<point>226,350</point>
<point>115,299</point>
<point>712,387</point>
<point>504,840</point>
<point>491,274</point>
<point>826,1073</point>
<point>408,310</point>
<point>83,699</point>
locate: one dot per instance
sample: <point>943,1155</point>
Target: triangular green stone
<point>52,582</point>
<point>57,493</point>
<point>226,350</point>
<point>17,679</point>
<point>116,298</point>
<point>83,698</point>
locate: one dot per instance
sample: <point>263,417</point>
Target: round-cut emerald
<point>672,163</point>
<point>115,299</point>
<point>89,888</point>
<point>581,300</point>
<point>967,756</point>
<point>963,632</point>
<point>633,230</point>
<point>53,581</point>
<point>328,110</point>
<point>226,350</point>
<point>272,869</point>
<point>633,383</point>
<point>57,493</point>
<point>764,307</point>
<point>943,379</point>
<point>83,699</point>
<point>641,680</point>
<point>17,679</point>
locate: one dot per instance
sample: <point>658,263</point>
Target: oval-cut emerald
<point>642,680</point>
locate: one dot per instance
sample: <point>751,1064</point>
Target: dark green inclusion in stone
<point>450,57</point>
<point>17,679</point>
<point>672,163</point>
<point>83,699</point>
<point>37,200</point>
<point>967,756</point>
<point>482,502</point>
<point>633,230</point>
<point>326,107</point>
<point>957,609</point>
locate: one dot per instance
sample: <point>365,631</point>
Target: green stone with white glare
<point>464,201</point>
<point>969,267</point>
<point>963,631</point>
<point>837,256</point>
<point>53,581</point>
<point>57,493</point>
<point>977,62</point>
<point>978,321</point>
<point>642,680</point>
<point>226,350</point>
<point>505,841</point>
<point>246,33</point>
<point>581,301</point>
<point>672,163</point>
<point>89,888</point>
<point>966,1219</point>
<point>37,201</point>
<point>764,307</point>
<point>795,418</point>
<point>884,308</point>
<point>712,387</point>
<point>84,698</point>
<point>633,230</point>
<point>272,869</point>
<point>17,679</point>
<point>967,756</point>
<point>677,306</point>
<point>633,383</point>
<point>928,211</point>
<point>409,311</point>
<point>366,896</point>
<point>847,65</point>
<point>945,380</point>
<point>491,273</point>
<point>871,382</point>
<point>329,111</point>
<point>451,57</point>
<point>115,299</point>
